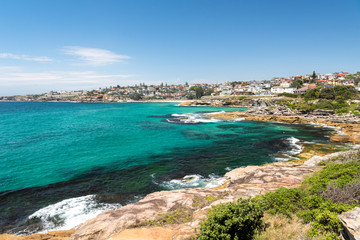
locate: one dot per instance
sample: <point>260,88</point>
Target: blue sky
<point>85,44</point>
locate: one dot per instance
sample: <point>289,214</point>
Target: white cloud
<point>14,81</point>
<point>24,57</point>
<point>57,77</point>
<point>94,56</point>
<point>11,68</point>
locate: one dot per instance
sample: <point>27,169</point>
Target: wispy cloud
<point>16,80</point>
<point>60,77</point>
<point>94,56</point>
<point>24,57</point>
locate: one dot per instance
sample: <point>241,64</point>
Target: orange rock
<point>340,138</point>
<point>155,233</point>
<point>54,235</point>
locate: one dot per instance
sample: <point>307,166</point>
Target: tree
<point>135,96</point>
<point>199,91</point>
<point>296,84</point>
<point>208,91</point>
<point>327,93</point>
<point>313,77</point>
<point>355,77</point>
<point>312,94</point>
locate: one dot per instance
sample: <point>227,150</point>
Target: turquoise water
<point>103,155</point>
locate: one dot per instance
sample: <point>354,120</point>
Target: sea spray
<point>193,181</point>
<point>69,213</point>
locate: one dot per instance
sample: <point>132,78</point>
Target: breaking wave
<point>196,118</point>
<point>69,213</point>
<point>295,148</point>
<point>193,181</point>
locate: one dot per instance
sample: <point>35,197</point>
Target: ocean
<point>64,163</point>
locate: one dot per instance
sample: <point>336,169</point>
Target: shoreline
<point>231,175</point>
<point>131,101</point>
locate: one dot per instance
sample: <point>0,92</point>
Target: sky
<point>86,44</point>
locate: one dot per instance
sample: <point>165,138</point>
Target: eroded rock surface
<point>351,223</point>
<point>54,235</point>
<point>243,182</point>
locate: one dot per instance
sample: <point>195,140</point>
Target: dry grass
<point>282,228</point>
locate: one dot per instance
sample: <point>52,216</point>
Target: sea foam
<point>69,213</point>
<point>295,148</point>
<point>193,181</point>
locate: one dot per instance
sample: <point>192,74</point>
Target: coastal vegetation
<point>238,221</point>
<point>314,206</point>
<point>340,99</point>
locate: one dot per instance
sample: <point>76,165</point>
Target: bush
<point>290,95</point>
<point>349,194</point>
<point>135,96</point>
<point>232,221</point>
<point>338,174</point>
<point>315,203</point>
<point>338,93</point>
<point>283,201</point>
<point>312,94</point>
<point>327,93</point>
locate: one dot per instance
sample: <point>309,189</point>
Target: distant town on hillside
<point>298,84</point>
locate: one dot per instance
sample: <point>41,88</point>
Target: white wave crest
<point>191,118</point>
<point>69,213</point>
<point>193,181</point>
<point>295,145</point>
<point>236,120</point>
<point>295,149</point>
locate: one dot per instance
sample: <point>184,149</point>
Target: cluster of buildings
<point>293,85</point>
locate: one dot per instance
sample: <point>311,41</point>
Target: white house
<point>285,84</point>
<point>279,90</point>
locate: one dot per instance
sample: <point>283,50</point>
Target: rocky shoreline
<point>126,222</point>
<point>348,125</point>
<point>129,222</point>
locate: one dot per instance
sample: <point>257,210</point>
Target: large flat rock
<point>242,183</point>
<point>351,223</point>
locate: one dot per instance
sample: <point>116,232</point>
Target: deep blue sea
<point>63,163</point>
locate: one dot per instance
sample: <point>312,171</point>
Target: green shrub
<point>283,201</point>
<point>240,220</point>
<point>311,208</point>
<point>312,94</point>
<point>326,221</point>
<point>232,221</point>
<point>338,174</point>
<point>290,95</point>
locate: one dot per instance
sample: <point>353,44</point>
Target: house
<point>304,89</point>
<point>285,84</point>
<point>278,90</point>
